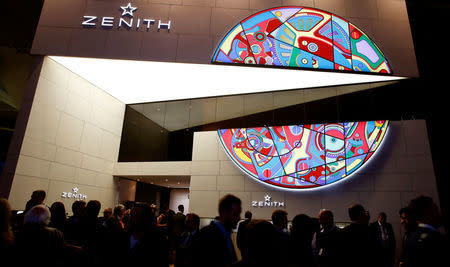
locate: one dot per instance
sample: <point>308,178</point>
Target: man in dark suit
<point>214,247</point>
<point>426,246</point>
<point>409,225</point>
<point>328,241</point>
<point>360,244</point>
<point>385,238</point>
<point>184,249</point>
<point>178,226</point>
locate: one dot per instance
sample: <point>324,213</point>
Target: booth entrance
<point>160,191</point>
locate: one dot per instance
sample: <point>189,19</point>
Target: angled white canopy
<point>133,81</point>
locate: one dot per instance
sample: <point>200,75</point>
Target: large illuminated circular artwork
<point>303,156</point>
<point>301,37</point>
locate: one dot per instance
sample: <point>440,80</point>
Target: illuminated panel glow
<point>303,156</point>
<point>301,37</point>
<point>132,81</point>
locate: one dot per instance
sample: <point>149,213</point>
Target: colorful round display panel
<point>302,37</point>
<point>303,156</point>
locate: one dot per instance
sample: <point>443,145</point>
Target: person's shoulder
<point>53,233</point>
<point>348,227</point>
<point>242,224</point>
<point>210,227</point>
<point>209,231</point>
<point>179,215</point>
<point>426,234</point>
<point>52,230</point>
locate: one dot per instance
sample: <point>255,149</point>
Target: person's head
<point>181,208</point>
<point>425,211</point>
<point>164,209</point>
<point>326,219</point>
<point>93,208</point>
<point>119,211</point>
<point>279,219</point>
<point>107,213</point>
<point>407,219</point>
<point>229,211</point>
<point>38,215</point>
<point>248,215</point>
<point>357,213</point>
<point>192,222</point>
<point>382,217</point>
<point>79,208</point>
<point>262,236</point>
<point>38,196</point>
<point>6,233</point>
<point>141,218</point>
<point>302,227</point>
<point>58,211</point>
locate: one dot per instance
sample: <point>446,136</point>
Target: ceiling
<point>164,181</point>
<point>183,114</point>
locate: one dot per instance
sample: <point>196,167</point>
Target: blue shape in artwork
<point>286,12</point>
<point>235,51</point>
<point>326,31</point>
<point>316,154</point>
<point>341,32</point>
<point>284,34</point>
<point>340,59</point>
<point>222,57</point>
<point>358,65</point>
<point>304,21</point>
<point>335,175</point>
<point>308,60</point>
<point>350,161</point>
<point>281,52</point>
<point>370,127</point>
<point>254,20</point>
<point>273,164</point>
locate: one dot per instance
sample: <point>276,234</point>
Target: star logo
<point>75,190</point>
<point>267,198</point>
<point>128,10</point>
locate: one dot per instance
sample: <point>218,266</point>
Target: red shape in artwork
<point>273,25</point>
<point>325,50</point>
<point>355,33</point>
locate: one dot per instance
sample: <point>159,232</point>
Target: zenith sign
<point>126,20</point>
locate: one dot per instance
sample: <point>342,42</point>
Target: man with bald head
<point>328,241</point>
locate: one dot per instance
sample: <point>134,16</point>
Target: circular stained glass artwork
<point>303,156</point>
<point>282,34</point>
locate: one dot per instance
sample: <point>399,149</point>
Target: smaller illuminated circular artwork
<point>282,34</point>
<point>303,156</point>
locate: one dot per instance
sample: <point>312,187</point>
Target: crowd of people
<point>134,234</point>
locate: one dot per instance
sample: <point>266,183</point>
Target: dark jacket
<point>386,248</point>
<point>426,247</point>
<point>211,248</point>
<point>240,237</point>
<point>360,245</point>
<point>38,244</point>
<point>329,247</point>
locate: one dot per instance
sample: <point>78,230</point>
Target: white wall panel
<point>72,140</point>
